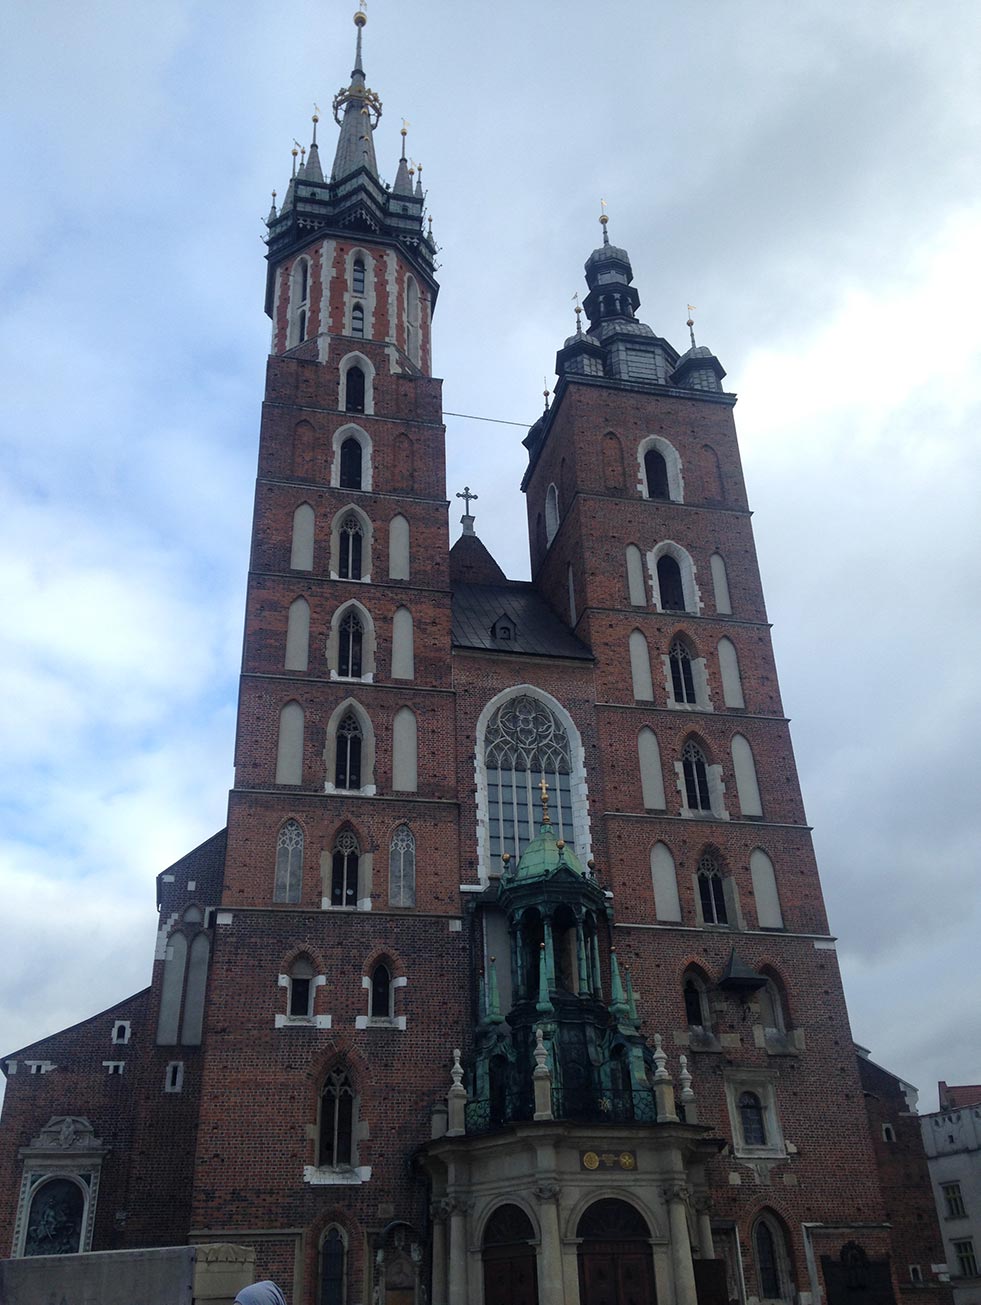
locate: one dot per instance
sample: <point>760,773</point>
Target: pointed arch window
<point>381,992</point>
<point>682,674</point>
<point>336,1120</point>
<point>358,277</point>
<point>711,891</point>
<point>696,778</point>
<point>669,583</point>
<point>525,743</point>
<point>402,868</point>
<point>656,473</point>
<point>766,1261</point>
<point>695,1003</point>
<point>301,988</point>
<point>344,871</point>
<point>333,1253</point>
<point>289,863</point>
<point>347,770</point>
<point>551,513</point>
<point>354,392</point>
<point>350,548</point>
<point>350,646</point>
<point>357,322</point>
<point>351,452</point>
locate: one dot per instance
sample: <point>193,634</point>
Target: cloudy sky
<point>805,173</point>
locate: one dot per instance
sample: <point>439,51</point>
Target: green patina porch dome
<point>545,854</point>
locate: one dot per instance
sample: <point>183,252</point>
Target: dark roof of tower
<point>355,144</point>
<point>472,563</point>
<point>535,630</point>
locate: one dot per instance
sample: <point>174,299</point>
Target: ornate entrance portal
<point>615,1265</point>
<point>510,1264</point>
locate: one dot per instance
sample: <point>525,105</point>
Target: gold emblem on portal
<point>593,1160</point>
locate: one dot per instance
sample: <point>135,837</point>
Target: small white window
<point>888,1133</point>
<point>114,1067</point>
<point>915,1274</point>
<point>174,1076</point>
<point>120,1032</point>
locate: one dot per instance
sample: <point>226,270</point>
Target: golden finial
<point>406,124</point>
<point>295,151</point>
<point>506,858</point>
<point>546,394</point>
<point>578,312</point>
<point>604,219</point>
<point>360,18</point>
<point>691,324</point>
<point>546,818</point>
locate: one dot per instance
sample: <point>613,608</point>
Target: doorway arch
<point>510,1259</point>
<point>615,1264</point>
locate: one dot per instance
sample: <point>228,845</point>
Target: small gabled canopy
<point>740,977</point>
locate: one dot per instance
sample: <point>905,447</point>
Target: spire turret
<point>356,110</point>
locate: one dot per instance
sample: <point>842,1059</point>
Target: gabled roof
<point>535,629</point>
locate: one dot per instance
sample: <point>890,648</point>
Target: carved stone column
<point>439,1214</point>
<point>706,1247</point>
<point>676,1199</point>
<point>550,1290</point>
<point>458,1211</point>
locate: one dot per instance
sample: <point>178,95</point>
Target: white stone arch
<point>351,429</point>
<point>672,461</point>
<point>298,327</point>
<point>399,553</point>
<point>629,1196</point>
<point>765,892</point>
<point>405,751</point>
<point>368,787</point>
<point>636,589</point>
<point>297,655</point>
<point>580,788</point>
<point>732,684</point>
<point>552,517</point>
<point>302,538</point>
<point>368,646</point>
<point>413,320</point>
<point>485,1212</point>
<point>367,297</point>
<point>350,360</point>
<point>34,1181</point>
<point>366,543</point>
<point>651,770</point>
<point>747,783</point>
<point>664,880</point>
<point>640,667</point>
<point>289,744</point>
<point>668,548</point>
<point>720,583</point>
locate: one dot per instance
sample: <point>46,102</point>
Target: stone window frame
<point>121,1032</point>
<point>174,1076</point>
<point>298,314</point>
<point>285,832</point>
<point>310,1020</point>
<point>579,787</point>
<point>396,981</point>
<point>783,1262</point>
<point>355,359</point>
<point>672,462</point>
<point>368,787</point>
<point>699,675</point>
<point>967,1260</point>
<point>366,298</point>
<point>365,870</point>
<point>369,644</point>
<point>114,1068</point>
<point>66,1147</point>
<point>953,1201</point>
<point>716,784</point>
<point>762,1082</point>
<point>351,430</point>
<point>402,851</point>
<point>367,539</point>
<point>689,584</point>
<point>345,1175</point>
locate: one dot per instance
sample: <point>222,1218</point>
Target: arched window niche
<point>288,883</point>
<point>349,751</point>
<point>672,574</point>
<point>351,465</point>
<point>299,306</point>
<point>402,868</point>
<point>346,873</point>
<point>351,392</point>
<point>664,880</point>
<point>413,333</point>
<point>333,1267</point>
<point>350,545</point>
<point>351,644</point>
<point>695,989</point>
<point>523,736</point>
<point>509,1254</point>
<point>636,589</point>
<point>771,1260</point>
<point>659,470</point>
<point>301,540</point>
<point>551,513</point>
<point>640,667</point>
<point>399,557</point>
<point>289,748</point>
<point>297,655</point>
<point>56,1217</point>
<point>700,782</point>
<point>685,678</point>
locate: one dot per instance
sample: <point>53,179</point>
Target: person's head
<point>260,1293</point>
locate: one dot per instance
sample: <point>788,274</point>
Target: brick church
<point>509,979</point>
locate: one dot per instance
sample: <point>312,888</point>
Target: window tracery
<point>289,863</point>
<point>344,871</point>
<point>524,744</point>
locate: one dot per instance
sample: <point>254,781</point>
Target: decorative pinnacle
<point>604,220</point>
<point>546,392</point>
<point>546,818</point>
<point>691,324</point>
<point>315,119</point>
<point>578,311</point>
<point>405,132</point>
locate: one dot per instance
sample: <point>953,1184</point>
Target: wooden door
<point>615,1273</point>
<point>512,1280</point>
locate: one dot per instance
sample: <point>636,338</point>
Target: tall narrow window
<point>656,472</point>
<point>664,877</point>
<point>751,1120</point>
<point>711,891</point>
<point>524,744</point>
<point>301,988</point>
<point>289,863</point>
<point>350,645</point>
<point>640,667</point>
<point>289,750</point>
<point>402,868</point>
<point>332,1254</point>
<point>636,589</point>
<point>351,454</point>
<point>696,778</point>
<point>720,583</point>
<point>357,322</point>
<point>695,1003</point>
<point>357,276</point>
<point>350,548</point>
<point>551,512</point>
<point>767,1270</point>
<point>301,546</point>
<point>299,302</point>
<point>297,636</point>
<point>412,319</point>
<point>336,1120</point>
<point>347,771</point>
<point>354,389</point>
<point>669,584</point>
<point>651,775</point>
<point>381,992</point>
<point>953,1200</point>
<point>682,677</point>
<point>344,871</point>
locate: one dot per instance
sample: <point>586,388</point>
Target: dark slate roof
<point>471,563</point>
<point>478,611</point>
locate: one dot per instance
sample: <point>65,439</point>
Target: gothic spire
<point>361,110</point>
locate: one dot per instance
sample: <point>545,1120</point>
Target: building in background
<point>952,1141</point>
<point>510,978</point>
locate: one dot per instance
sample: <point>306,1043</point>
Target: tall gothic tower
<point>510,979</point>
